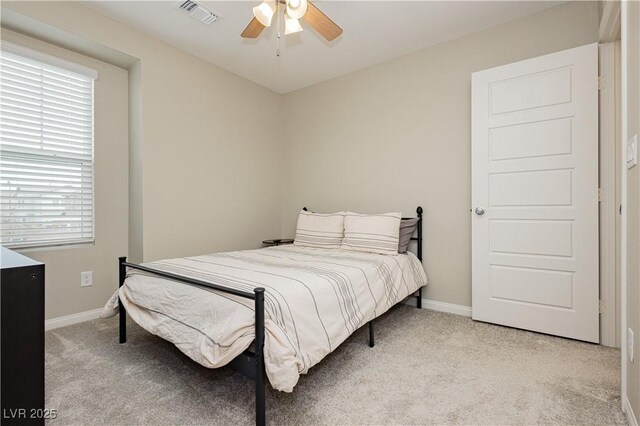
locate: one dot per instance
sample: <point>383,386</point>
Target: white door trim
<point>608,202</point>
<point>623,201</point>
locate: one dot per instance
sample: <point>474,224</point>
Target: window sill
<point>61,246</point>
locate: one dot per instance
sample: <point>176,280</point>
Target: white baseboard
<point>434,305</point>
<point>626,407</point>
<point>72,319</point>
<point>450,308</point>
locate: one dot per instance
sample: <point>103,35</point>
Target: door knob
<point>479,211</point>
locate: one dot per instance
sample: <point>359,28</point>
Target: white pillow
<point>373,233</point>
<point>320,230</point>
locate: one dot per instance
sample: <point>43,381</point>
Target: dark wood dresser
<point>21,339</point>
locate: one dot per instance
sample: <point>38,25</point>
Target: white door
<point>535,194</point>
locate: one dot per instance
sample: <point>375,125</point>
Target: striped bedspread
<point>314,299</point>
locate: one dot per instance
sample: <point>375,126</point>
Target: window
<point>46,150</point>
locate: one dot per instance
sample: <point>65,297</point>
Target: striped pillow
<point>373,233</point>
<point>319,230</point>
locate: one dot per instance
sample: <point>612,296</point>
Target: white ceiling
<point>374,32</point>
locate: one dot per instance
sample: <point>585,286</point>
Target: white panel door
<point>535,194</point>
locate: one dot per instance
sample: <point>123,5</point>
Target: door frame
<point>612,29</point>
<point>609,129</point>
<point>623,209</point>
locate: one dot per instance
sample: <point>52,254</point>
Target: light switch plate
<point>632,152</point>
<point>630,344</point>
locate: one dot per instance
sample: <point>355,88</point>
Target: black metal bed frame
<point>251,364</point>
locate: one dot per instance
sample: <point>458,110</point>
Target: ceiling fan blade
<point>253,30</point>
<point>321,23</point>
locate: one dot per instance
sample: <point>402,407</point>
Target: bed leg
<point>372,341</point>
<point>419,211</point>
<point>122,270</point>
<point>260,373</point>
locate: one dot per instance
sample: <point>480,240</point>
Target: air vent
<point>199,12</point>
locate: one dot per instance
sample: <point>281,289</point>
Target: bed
<point>275,311</point>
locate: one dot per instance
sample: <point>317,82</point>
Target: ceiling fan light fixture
<point>264,12</point>
<point>291,25</point>
<point>296,8</point>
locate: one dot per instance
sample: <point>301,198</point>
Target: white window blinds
<point>46,150</point>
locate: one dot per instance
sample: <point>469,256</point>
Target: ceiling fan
<point>291,11</point>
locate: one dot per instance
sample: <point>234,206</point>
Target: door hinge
<point>602,307</point>
<point>601,194</point>
<point>601,82</point>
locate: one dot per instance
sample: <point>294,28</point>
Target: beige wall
<point>631,33</point>
<point>63,266</point>
<point>206,149</point>
<point>204,169</point>
<point>203,180</point>
<point>397,135</point>
<point>211,160</point>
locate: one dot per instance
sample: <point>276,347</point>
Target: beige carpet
<point>426,368</point>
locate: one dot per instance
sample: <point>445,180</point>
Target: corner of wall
<point>136,228</point>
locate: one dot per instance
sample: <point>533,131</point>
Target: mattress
<point>314,299</point>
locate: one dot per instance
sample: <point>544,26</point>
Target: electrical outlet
<point>630,344</point>
<point>86,278</point>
